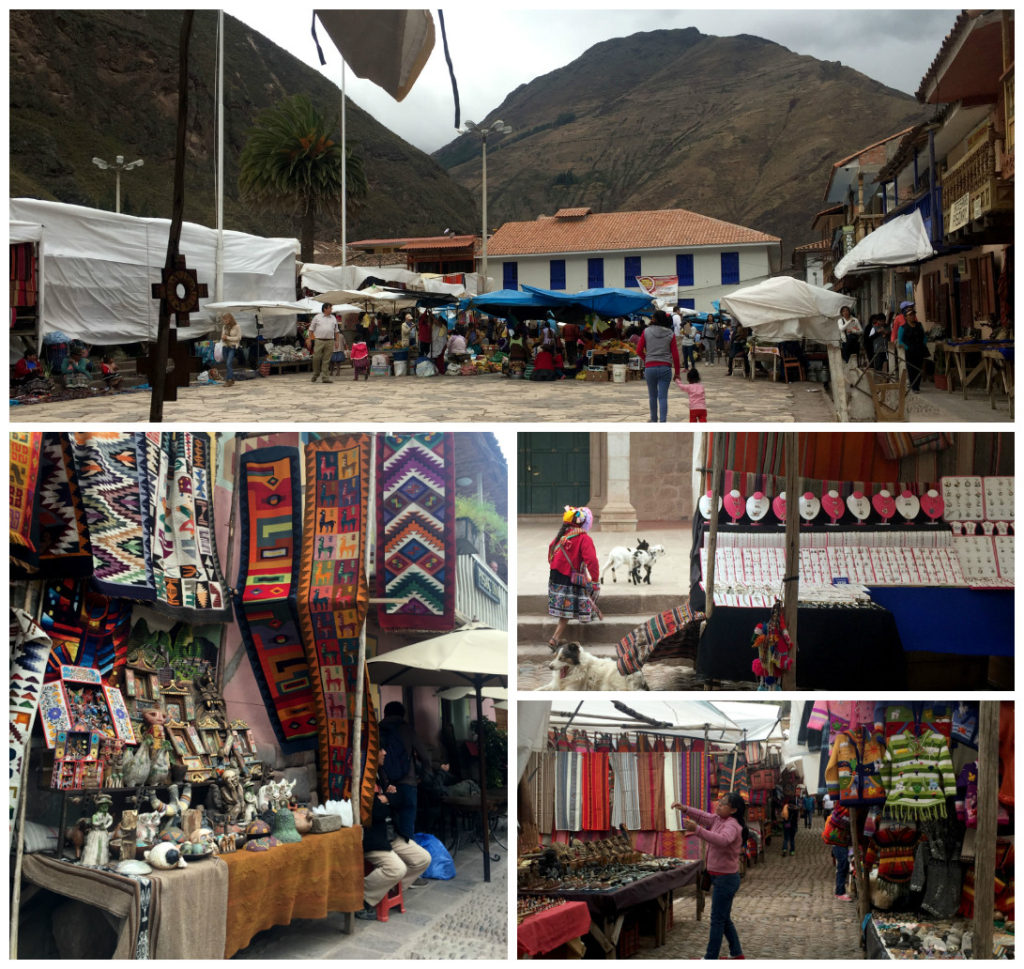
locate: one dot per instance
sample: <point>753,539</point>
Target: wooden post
<point>988,804</point>
<point>791,574</point>
<point>859,871</point>
<point>717,464</point>
<point>837,372</point>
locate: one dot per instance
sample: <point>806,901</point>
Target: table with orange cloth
<point>546,931</point>
<point>306,880</point>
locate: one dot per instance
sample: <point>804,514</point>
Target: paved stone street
<point>489,398</point>
<point>785,909</point>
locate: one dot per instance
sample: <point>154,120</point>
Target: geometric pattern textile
<point>332,601</point>
<point>30,648</point>
<point>113,484</point>
<point>270,516</point>
<point>416,530</point>
<point>64,548</point>
<point>644,643</point>
<point>25,458</point>
<point>186,572</point>
<point>86,628</point>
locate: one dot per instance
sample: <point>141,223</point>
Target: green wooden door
<point>553,470</point>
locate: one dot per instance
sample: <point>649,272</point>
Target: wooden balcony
<point>975,177</point>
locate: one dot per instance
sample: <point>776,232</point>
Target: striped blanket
<point>672,634</point>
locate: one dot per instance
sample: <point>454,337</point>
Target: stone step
<point>612,601</point>
<point>539,629</point>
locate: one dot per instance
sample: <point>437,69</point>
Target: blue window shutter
<point>631,265</point>
<point>688,304</point>
<point>730,267</point>
<point>595,273</point>
<point>510,275</point>
<point>557,274</point>
<point>684,268</point>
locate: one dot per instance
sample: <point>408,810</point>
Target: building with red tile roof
<point>577,249</point>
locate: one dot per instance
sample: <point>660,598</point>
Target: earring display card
<point>1004,556</point>
<point>999,498</point>
<point>964,498</point>
<point>980,560</point>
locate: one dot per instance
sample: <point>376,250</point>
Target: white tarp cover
<point>100,268</point>
<point>784,308</point>
<point>903,240</point>
<point>759,720</point>
<point>24,231</point>
<point>323,279</point>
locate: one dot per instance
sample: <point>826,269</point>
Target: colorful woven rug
<point>111,480</point>
<point>270,517</point>
<point>673,634</point>
<point>596,793</point>
<point>24,477</point>
<point>186,573</point>
<point>568,790</point>
<point>86,628</point>
<point>30,648</point>
<point>333,599</point>
<point>64,547</point>
<point>416,531</point>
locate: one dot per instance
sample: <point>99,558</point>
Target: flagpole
<point>344,247</point>
<point>218,287</point>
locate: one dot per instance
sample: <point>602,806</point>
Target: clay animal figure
<point>165,855</point>
<point>136,766</point>
<point>149,822</point>
<point>281,793</point>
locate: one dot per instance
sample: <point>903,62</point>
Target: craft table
<point>546,931</point>
<point>999,365</point>
<point>840,648</point>
<point>323,873</point>
<point>966,372</point>
<point>608,910</point>
<point>177,914</point>
<point>765,351</point>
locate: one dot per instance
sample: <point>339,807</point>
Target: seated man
<point>392,852</point>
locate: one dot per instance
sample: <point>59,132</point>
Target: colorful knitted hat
<point>582,516</point>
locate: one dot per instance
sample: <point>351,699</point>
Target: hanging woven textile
<point>568,790</point>
<point>270,514</point>
<point>416,531</point>
<point>332,600</point>
<point>596,793</point>
<point>64,548</point>
<point>25,459</point>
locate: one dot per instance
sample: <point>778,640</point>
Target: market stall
<point>597,782</point>
<point>194,735</point>
<point>898,551</point>
<point>925,802</point>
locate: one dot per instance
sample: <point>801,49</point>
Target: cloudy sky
<point>493,51</point>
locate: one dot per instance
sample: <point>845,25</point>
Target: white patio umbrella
<point>375,298</point>
<point>474,655</point>
<point>278,310</point>
<point>784,308</point>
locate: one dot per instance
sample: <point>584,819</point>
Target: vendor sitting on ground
<point>392,852</point>
<point>545,365</point>
<point>27,369</point>
<point>474,339</point>
<point>75,369</point>
<point>455,352</point>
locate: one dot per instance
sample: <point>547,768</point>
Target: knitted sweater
<point>724,838</point>
<point>918,774</point>
<point>854,770</point>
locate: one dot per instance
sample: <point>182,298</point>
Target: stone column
<point>618,513</point>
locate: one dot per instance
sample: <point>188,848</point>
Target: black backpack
<point>398,761</point>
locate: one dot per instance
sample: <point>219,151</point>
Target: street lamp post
<point>498,128</point>
<point>118,165</point>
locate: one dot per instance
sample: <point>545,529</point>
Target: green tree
<point>291,163</point>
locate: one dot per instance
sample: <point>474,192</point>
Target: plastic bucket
<point>618,373</point>
<point>401,367</point>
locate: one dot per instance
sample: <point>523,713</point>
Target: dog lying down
<point>573,668</point>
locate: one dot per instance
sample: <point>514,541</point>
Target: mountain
<point>104,83</point>
<point>737,128</point>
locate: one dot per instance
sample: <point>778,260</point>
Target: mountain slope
<point>105,82</point>
<point>737,128</point>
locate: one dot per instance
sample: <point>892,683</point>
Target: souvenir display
<point>809,507</point>
<point>779,506</point>
<point>704,504</point>
<point>734,505</point>
<point>757,506</point>
<point>884,504</point>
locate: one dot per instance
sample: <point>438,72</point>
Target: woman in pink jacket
<point>725,832</point>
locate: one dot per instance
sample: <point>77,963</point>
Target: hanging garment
<point>855,767</point>
<point>917,775</point>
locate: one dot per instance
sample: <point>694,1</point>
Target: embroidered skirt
<point>568,600</point>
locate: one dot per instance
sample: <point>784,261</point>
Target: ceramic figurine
<point>148,824</point>
<point>165,855</point>
<point>127,830</point>
<point>263,797</point>
<point>249,796</point>
<point>282,793</point>
<point>303,820</point>
<point>115,766</point>
<point>230,796</point>
<point>97,841</point>
<point>136,766</point>
<point>285,829</point>
<point>192,822</point>
<point>160,746</point>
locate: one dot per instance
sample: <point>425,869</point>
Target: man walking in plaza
<point>321,334</point>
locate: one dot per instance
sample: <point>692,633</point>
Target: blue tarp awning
<point>606,301</point>
<point>505,301</point>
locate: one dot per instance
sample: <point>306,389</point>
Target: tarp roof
<point>605,301</point>
<point>784,308</point>
<point>100,268</point>
<point>903,240</point>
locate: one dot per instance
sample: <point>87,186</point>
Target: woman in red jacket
<point>574,571</point>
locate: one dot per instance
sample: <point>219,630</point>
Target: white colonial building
<point>578,249</point>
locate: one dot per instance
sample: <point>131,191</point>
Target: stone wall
<point>659,486</point>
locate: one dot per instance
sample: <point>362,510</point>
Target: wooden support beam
<point>791,573</point>
<point>837,375</point>
<point>717,465</point>
<point>988,806</point>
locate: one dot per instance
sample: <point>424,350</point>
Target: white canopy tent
<point>277,317</point>
<point>322,279</point>
<point>784,308</point>
<point>903,240</point>
<point>100,268</point>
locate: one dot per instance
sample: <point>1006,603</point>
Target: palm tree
<point>292,164</point>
